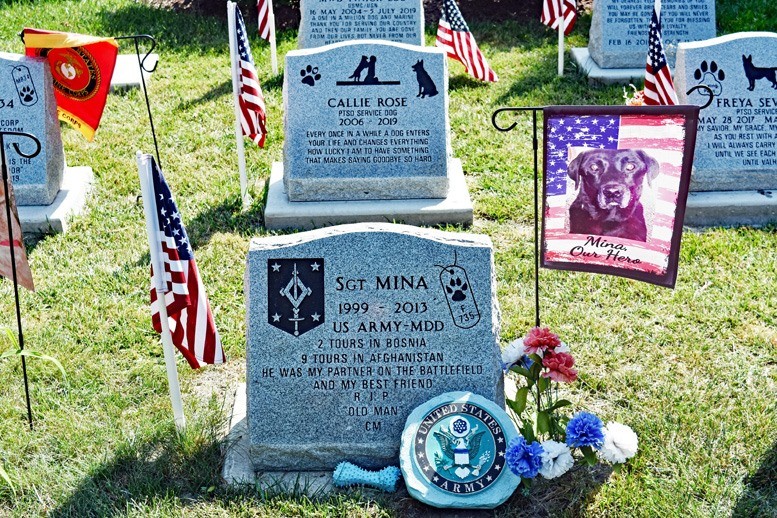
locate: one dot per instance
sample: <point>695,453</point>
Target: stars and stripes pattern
<point>552,17</point>
<point>659,88</point>
<point>192,328</point>
<point>263,12</point>
<point>253,118</point>
<point>660,136</point>
<point>454,37</point>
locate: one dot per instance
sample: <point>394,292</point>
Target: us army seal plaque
<point>453,452</point>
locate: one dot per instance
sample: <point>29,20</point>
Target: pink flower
<point>540,339</point>
<point>559,367</point>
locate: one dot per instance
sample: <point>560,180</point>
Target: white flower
<point>562,348</point>
<point>512,353</point>
<point>556,459</point>
<point>620,443</point>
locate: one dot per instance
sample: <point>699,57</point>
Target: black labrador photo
<point>609,191</point>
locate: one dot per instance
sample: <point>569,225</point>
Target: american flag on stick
<point>454,37</point>
<point>668,138</point>
<point>659,88</point>
<point>192,328</point>
<point>552,17</point>
<point>253,118</point>
<point>263,9</point>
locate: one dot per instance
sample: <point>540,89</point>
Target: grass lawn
<point>692,370</point>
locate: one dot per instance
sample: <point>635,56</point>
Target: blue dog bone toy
<point>347,474</point>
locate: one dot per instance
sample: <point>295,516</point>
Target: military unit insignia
<point>74,71</point>
<point>295,294</point>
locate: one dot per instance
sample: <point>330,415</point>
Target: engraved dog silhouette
<point>754,73</point>
<point>609,200</point>
<point>426,86</point>
<point>370,78</point>
<point>358,72</point>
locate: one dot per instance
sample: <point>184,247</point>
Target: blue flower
<point>526,362</point>
<point>525,460</point>
<point>585,429</point>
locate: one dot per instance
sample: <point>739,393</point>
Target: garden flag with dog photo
<point>81,68</point>
<point>616,183</point>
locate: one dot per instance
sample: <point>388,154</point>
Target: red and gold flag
<point>81,67</point>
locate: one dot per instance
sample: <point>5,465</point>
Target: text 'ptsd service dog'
<point>609,191</point>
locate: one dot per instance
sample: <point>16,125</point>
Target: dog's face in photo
<point>609,191</point>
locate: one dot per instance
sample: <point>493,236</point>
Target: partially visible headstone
<point>366,120</point>
<point>27,104</point>
<point>619,29</point>
<point>736,143</point>
<point>453,452</point>
<point>327,21</point>
<point>351,327</point>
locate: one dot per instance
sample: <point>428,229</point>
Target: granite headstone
<point>27,104</point>
<point>619,29</point>
<point>364,121</point>
<point>351,327</point>
<point>327,21</point>
<point>736,143</point>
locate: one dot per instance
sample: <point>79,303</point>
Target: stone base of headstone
<point>455,209</point>
<point>731,208</point>
<point>69,202</point>
<point>127,72</point>
<point>239,469</point>
<point>607,76</point>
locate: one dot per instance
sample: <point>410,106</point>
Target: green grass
<point>691,370</point>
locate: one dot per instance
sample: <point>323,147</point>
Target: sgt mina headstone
<point>27,104</point>
<point>328,21</point>
<point>351,327</point>
<point>735,163</point>
<point>364,121</point>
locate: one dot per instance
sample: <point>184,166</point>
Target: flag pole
<point>273,47</point>
<point>157,282</point>
<point>560,7</point>
<point>241,156</point>
<point>13,253</point>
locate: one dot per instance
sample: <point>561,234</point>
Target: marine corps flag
<point>81,67</point>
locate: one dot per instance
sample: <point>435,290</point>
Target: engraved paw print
<point>457,289</point>
<point>711,76</point>
<point>310,75</point>
<point>27,94</point>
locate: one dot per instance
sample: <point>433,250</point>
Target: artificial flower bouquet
<point>636,99</point>
<point>549,438</point>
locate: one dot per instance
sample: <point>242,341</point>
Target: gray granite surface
<point>366,120</point>
<point>324,22</point>
<point>736,145</point>
<point>619,29</point>
<point>27,105</point>
<point>351,327</point>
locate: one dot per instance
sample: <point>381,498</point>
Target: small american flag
<point>192,328</point>
<point>454,37</point>
<point>551,16</point>
<point>263,10</point>
<point>663,138</point>
<point>253,118</point>
<point>659,89</point>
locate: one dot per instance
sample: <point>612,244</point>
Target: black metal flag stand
<point>3,134</point>
<point>142,66</point>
